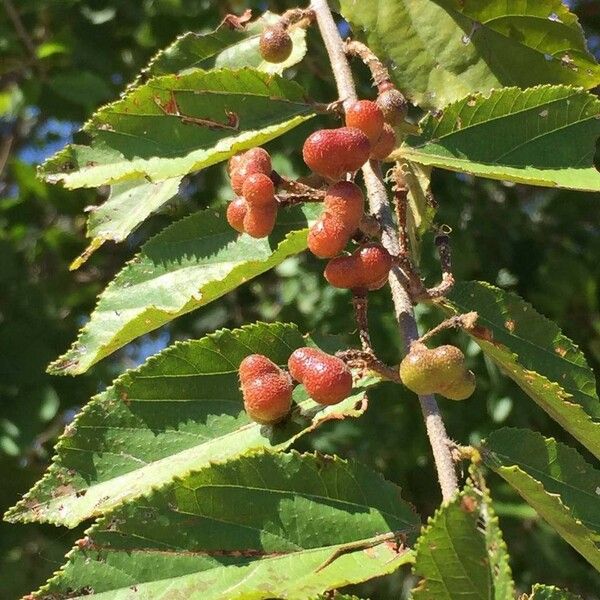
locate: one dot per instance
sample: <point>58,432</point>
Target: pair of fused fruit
<point>334,152</point>
<point>255,212</point>
<point>343,211</point>
<point>440,371</point>
<point>267,389</point>
<point>367,268</point>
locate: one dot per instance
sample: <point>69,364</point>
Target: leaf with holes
<point>555,480</point>
<point>533,352</point>
<point>261,526</point>
<point>191,263</point>
<point>441,50</point>
<point>549,592</point>
<point>179,411</point>
<point>540,136</point>
<point>176,124</point>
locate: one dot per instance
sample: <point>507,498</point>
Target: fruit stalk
<point>380,206</point>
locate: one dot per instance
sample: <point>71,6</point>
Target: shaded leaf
<point>223,47</point>
<point>191,263</point>
<point>256,527</point>
<point>533,352</point>
<point>441,50</point>
<point>540,136</point>
<point>555,480</point>
<point>128,205</point>
<point>549,592</point>
<point>451,555</point>
<point>179,411</point>
<point>176,124</point>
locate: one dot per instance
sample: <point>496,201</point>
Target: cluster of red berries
<point>267,389</point>
<point>255,210</point>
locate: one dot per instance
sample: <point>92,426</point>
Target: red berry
<point>275,44</point>
<point>236,211</point>
<point>266,388</point>
<point>366,268</point>
<point>366,116</point>
<point>235,162</point>
<point>255,160</point>
<point>334,152</point>
<point>260,220</point>
<point>326,378</point>
<point>328,236</point>
<point>258,190</point>
<point>393,105</point>
<point>385,144</point>
<point>345,201</point>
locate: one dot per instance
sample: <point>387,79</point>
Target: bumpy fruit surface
<point>275,44</point>
<point>441,371</point>
<point>385,144</point>
<point>366,116</point>
<point>393,106</point>
<point>258,190</point>
<point>267,389</point>
<point>334,152</point>
<point>367,268</point>
<point>236,211</point>
<point>259,221</point>
<point>326,378</point>
<point>344,208</point>
<point>255,160</point>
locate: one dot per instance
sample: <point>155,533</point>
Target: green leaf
<point>128,205</point>
<point>549,592</point>
<point>533,352</point>
<point>179,411</point>
<point>223,47</point>
<point>191,263</point>
<point>441,50</point>
<point>451,554</point>
<point>555,480</point>
<point>541,136</point>
<point>176,124</point>
<point>257,527</point>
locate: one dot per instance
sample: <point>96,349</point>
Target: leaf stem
<point>380,207</point>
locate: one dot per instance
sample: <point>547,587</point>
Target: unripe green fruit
<point>335,152</point>
<point>366,116</point>
<point>258,190</point>
<point>259,221</point>
<point>326,378</point>
<point>275,44</point>
<point>267,389</point>
<point>441,371</point>
<point>393,106</point>
<point>367,268</point>
<point>385,144</point>
<point>236,211</point>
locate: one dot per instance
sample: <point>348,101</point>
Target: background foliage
<point>58,63</point>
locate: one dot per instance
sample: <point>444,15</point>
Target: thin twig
<point>380,207</point>
<point>13,15</point>
<point>367,360</point>
<point>379,72</point>
<point>360,304</point>
<point>442,241</point>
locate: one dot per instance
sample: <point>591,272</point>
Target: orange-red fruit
<point>326,378</point>
<point>266,388</point>
<point>235,162</point>
<point>275,44</point>
<point>366,116</point>
<point>393,106</point>
<point>345,201</point>
<point>258,190</point>
<point>328,236</point>
<point>334,152</point>
<point>255,160</point>
<point>366,268</point>
<point>385,144</point>
<point>236,211</point>
<point>259,221</point>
